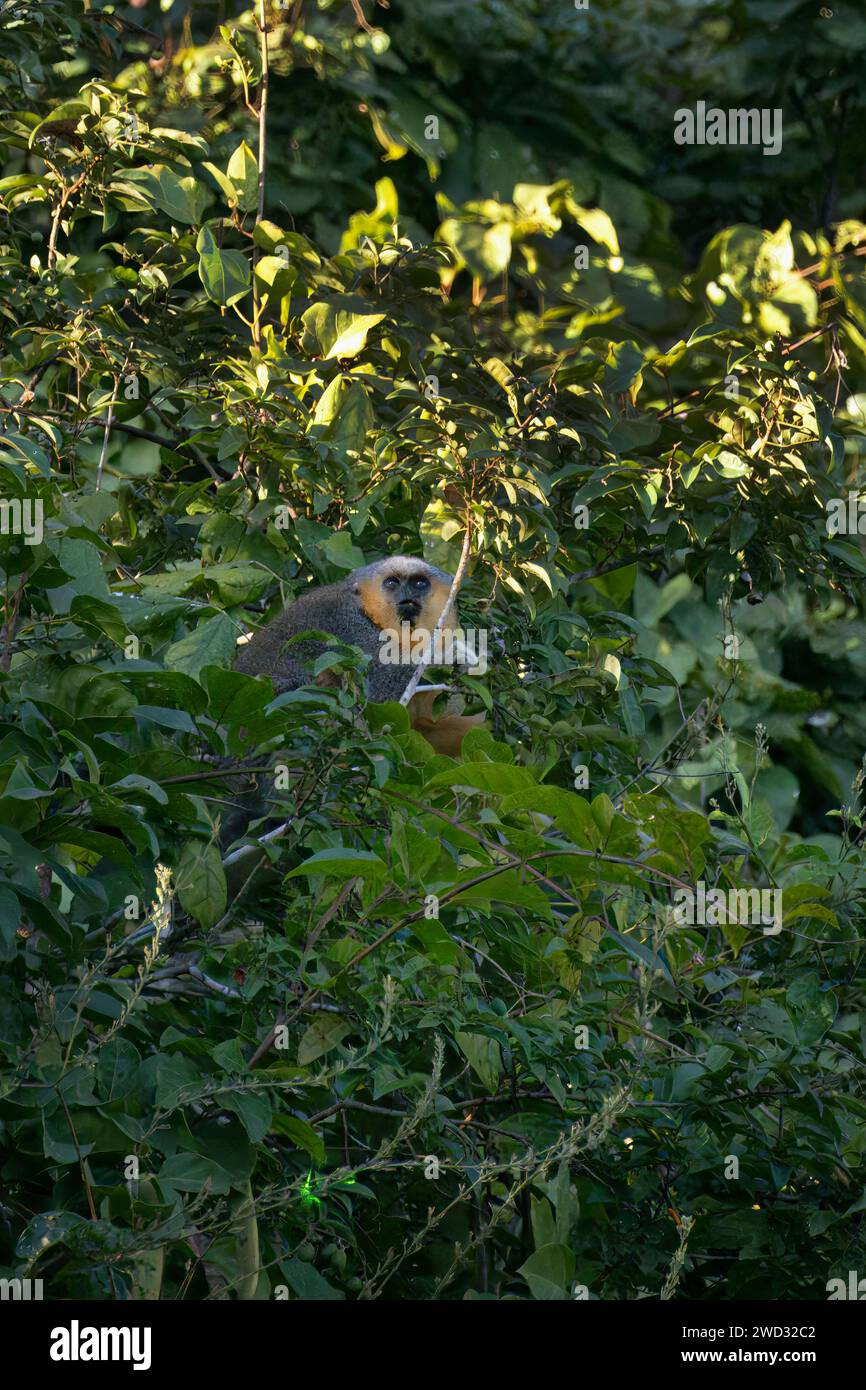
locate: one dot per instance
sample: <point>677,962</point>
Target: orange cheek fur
<point>433,607</point>
<point>377,606</point>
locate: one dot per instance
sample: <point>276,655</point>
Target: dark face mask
<point>409,598</point>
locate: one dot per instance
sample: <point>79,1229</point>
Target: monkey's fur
<point>380,597</point>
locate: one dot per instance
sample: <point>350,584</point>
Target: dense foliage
<point>447,1037</point>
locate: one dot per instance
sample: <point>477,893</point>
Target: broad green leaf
<point>224,182</point>
<point>182,199</point>
<point>484,249</point>
<point>253,1111</point>
<point>549,1272</point>
<point>324,1034</point>
<point>483,1056</point>
<point>334,329</point>
<point>343,417</point>
<point>243,172</point>
<point>93,613</point>
<point>201,882</point>
<point>503,778</point>
<point>307,1284</point>
<point>302,1135</point>
<point>212,643</point>
<point>341,863</point>
<point>224,274</point>
<point>598,224</point>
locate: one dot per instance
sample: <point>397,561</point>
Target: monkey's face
<point>403,590</point>
<point>408,593</point>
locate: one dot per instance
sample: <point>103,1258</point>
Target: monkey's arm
<point>387,682</point>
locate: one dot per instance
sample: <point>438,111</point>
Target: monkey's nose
<point>408,608</point>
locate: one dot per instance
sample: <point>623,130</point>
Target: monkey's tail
<point>446,734</point>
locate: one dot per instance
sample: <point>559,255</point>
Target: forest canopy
<point>285,290</point>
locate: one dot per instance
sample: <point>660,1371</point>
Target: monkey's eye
<point>391,583</point>
<point>420,583</point>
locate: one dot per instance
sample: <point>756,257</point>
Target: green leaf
<point>336,329</point>
<point>343,417</point>
<point>237,583</point>
<point>105,618</point>
<point>489,777</point>
<point>307,1284</point>
<point>82,563</point>
<point>549,1272</point>
<point>224,274</point>
<point>848,553</point>
<point>243,172</point>
<point>201,882</point>
<point>342,863</point>
<point>224,182</point>
<point>212,643</point>
<point>183,199</point>
<point>191,1172</point>
<point>484,249</point>
<point>643,954</point>
<point>117,1068</point>
<point>302,1135</point>
<point>10,916</point>
<point>326,1033</point>
<point>506,886</point>
<point>177,1078</point>
<point>253,1111</point>
<point>483,1056</point>
<point>598,224</point>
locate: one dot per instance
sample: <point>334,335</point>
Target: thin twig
<point>445,614</point>
<point>361,17</point>
<point>260,843</point>
<point>617,564</point>
<point>58,212</point>
<point>85,1178</point>
<point>262,161</point>
<point>203,979</point>
<point>109,423</point>
<point>7,632</point>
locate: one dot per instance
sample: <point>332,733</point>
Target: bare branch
<point>446,611</point>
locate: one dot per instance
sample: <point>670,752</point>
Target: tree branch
<point>264,85</point>
<point>445,614</point>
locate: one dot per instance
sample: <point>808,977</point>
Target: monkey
<point>399,595</point>
<point>400,598</point>
<point>380,597</point>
